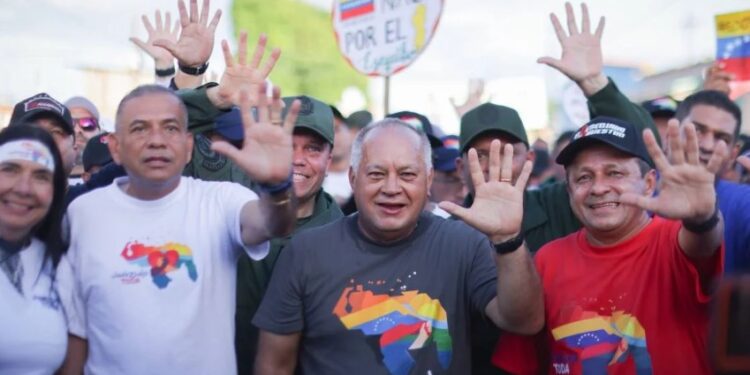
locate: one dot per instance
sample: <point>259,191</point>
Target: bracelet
<point>193,71</point>
<point>277,188</point>
<point>283,201</point>
<point>510,245</point>
<point>705,226</point>
<point>165,72</point>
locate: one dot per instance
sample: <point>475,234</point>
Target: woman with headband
<point>33,335</point>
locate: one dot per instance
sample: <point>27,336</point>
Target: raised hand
<point>163,59</point>
<point>497,210</point>
<point>581,59</point>
<point>686,186</point>
<point>266,154</point>
<point>473,99</point>
<point>717,79</point>
<point>196,41</point>
<point>744,161</point>
<point>241,76</point>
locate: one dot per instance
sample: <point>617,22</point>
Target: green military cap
<point>491,117</point>
<point>358,120</point>
<point>313,114</point>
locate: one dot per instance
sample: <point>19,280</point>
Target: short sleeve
<point>71,298</point>
<point>234,197</point>
<point>282,309</point>
<point>482,277</point>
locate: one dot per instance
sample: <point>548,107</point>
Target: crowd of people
<point>248,232</point>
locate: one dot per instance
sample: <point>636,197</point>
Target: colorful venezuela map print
<point>161,259</point>
<point>406,322</point>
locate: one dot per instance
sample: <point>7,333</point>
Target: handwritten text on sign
<point>382,37</point>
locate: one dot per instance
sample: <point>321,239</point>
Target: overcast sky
<point>45,41</point>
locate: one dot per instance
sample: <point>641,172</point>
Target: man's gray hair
<point>364,134</point>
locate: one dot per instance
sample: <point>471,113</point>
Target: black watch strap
<point>510,245</point>
<point>704,226</point>
<point>194,71</point>
<point>165,72</point>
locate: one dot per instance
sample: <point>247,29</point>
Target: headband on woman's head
<point>29,150</point>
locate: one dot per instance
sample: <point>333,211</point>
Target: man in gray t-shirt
<point>391,289</point>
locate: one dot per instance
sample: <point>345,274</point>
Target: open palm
<point>160,30</point>
<point>242,76</point>
<point>266,153</point>
<point>497,210</point>
<point>196,41</point>
<point>581,50</point>
<point>686,186</point>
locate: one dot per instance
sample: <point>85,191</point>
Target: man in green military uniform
<point>547,213</point>
<point>313,145</point>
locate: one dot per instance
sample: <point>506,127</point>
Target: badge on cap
<point>43,102</point>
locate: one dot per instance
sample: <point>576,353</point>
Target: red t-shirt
<point>634,308</point>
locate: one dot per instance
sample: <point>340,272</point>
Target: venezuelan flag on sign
<point>353,8</point>
<point>733,43</point>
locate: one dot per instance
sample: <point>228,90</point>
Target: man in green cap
<point>313,145</point>
<point>547,213</point>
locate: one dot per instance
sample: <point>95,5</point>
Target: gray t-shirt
<point>369,309</point>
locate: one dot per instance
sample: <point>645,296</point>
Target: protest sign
<point>382,37</point>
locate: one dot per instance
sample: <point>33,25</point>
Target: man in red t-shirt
<point>628,293</point>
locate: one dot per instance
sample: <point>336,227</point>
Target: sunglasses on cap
<point>87,123</point>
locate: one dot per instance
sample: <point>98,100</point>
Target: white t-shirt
<point>33,336</point>
<point>152,283</point>
<point>337,184</point>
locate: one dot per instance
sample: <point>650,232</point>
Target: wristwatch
<point>193,71</point>
<point>510,245</point>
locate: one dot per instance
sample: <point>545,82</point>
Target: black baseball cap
<point>96,152</point>
<point>41,105</point>
<point>617,133</point>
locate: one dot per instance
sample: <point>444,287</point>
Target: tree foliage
<point>310,62</point>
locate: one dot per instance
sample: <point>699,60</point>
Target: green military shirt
<point>206,164</point>
<point>253,278</point>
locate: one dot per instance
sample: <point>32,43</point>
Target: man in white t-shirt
<point>154,291</point>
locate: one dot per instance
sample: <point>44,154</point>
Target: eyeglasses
<point>87,123</point>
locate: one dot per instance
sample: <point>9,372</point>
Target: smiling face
<point>597,177</point>
<point>26,193</point>
<point>151,140</point>
<point>312,155</point>
<point>390,183</point>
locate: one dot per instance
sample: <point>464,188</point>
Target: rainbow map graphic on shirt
<point>405,322</point>
<point>601,341</point>
<point>161,259</point>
